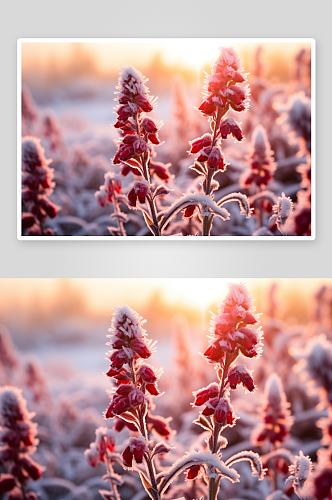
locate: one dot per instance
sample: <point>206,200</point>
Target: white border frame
<point>218,41</point>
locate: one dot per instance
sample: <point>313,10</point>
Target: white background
<point>165,18</point>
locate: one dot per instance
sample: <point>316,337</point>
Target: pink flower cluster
<point>18,441</point>
<point>104,443</point>
<point>232,334</point>
<point>276,416</point>
<point>261,161</point>
<point>222,87</point>
<point>37,185</point>
<point>108,190</point>
<point>232,330</point>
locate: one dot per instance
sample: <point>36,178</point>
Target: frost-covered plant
<point>37,186</point>
<point>234,331</point>
<point>18,441</point>
<point>110,194</point>
<point>135,149</point>
<point>321,485</point>
<point>102,451</point>
<point>259,174</point>
<point>277,419</point>
<point>222,91</point>
<point>282,211</point>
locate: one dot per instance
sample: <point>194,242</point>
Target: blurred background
<point>68,100</point>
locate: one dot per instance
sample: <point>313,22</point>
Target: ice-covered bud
<point>207,107</point>
<point>231,126</point>
<point>210,407</point>
<point>118,359</point>
<point>160,170</point>
<point>161,448</point>
<point>33,154</point>
<point>124,112</point>
<point>125,152</point>
<point>238,295</point>
<point>136,397</point>
<point>159,425</point>
<point>7,483</point>
<point>161,190</point>
<point>49,207</point>
<point>149,126</point>
<point>203,395</point>
<point>139,346</point>
<point>31,467</point>
<point>214,351</point>
<point>143,103</point>
<point>193,472</point>
<point>146,374</point>
<point>92,455</point>
<point>241,375</point>
<point>135,449</point>
<point>200,143</point>
<point>216,159</point>
<point>138,192</point>
<point>140,146</point>
<point>127,323</point>
<point>189,211</point>
<point>152,389</point>
<point>223,413</point>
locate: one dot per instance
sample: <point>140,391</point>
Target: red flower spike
<point>203,395</point>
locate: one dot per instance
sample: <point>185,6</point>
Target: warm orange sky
<point>106,57</point>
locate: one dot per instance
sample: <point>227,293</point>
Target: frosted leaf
<point>242,200</point>
<point>196,458</point>
<point>253,458</point>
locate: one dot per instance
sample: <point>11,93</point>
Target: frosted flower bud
<point>136,397</point>
<point>241,375</point>
<point>231,126</point>
<point>200,143</point>
<point>136,449</point>
<point>216,159</point>
<point>300,470</point>
<point>224,413</point>
<point>138,192</point>
<point>203,395</point>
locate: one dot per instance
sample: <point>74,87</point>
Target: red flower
<point>160,170</point>
<point>136,449</point>
<point>146,374</point>
<point>139,191</point>
<point>189,211</point>
<point>160,425</point>
<point>136,397</point>
<point>200,143</point>
<point>193,472</point>
<point>224,412</point>
<point>138,345</point>
<point>216,159</point>
<point>231,126</point>
<point>240,375</point>
<point>203,395</point>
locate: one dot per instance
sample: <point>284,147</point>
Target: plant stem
<point>114,488</point>
<point>120,222</point>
